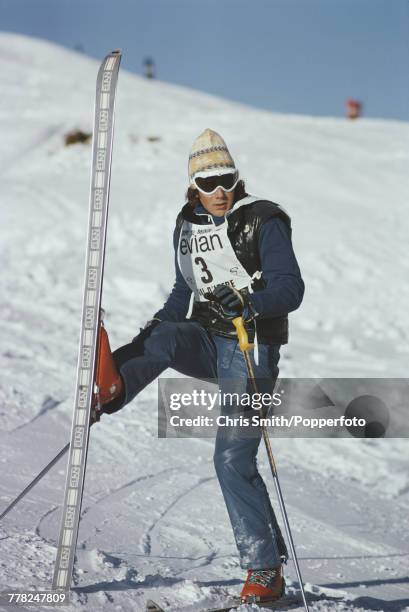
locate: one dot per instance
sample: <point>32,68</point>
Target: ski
<point>284,603</point>
<point>91,314</point>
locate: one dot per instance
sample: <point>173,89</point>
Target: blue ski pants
<point>189,349</point>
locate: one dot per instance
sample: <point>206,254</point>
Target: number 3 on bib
<point>207,278</point>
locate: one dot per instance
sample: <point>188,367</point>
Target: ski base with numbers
<point>102,143</point>
<point>284,603</point>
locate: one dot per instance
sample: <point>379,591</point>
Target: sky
<point>291,56</point>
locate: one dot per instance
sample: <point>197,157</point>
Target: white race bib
<point>206,258</point>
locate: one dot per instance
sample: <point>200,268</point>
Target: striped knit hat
<point>209,156</point>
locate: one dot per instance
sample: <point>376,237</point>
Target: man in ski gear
<point>233,257</point>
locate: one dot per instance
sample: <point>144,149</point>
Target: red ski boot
<point>108,381</point>
<point>263,585</point>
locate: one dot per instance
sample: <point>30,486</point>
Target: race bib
<point>206,258</point>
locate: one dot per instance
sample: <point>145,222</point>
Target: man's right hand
<point>146,330</point>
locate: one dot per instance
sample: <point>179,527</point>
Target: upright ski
<point>94,269</point>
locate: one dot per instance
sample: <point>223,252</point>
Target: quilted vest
<point>244,225</point>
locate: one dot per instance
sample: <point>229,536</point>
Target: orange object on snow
<point>107,378</point>
<point>354,108</point>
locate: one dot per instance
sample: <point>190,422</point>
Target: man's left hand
<point>231,301</point>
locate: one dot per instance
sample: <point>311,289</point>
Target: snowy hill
<point>148,530</point>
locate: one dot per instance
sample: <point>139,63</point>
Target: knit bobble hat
<point>209,156</point>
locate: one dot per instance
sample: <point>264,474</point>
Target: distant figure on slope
<point>353,108</point>
<point>233,252</point>
<point>149,69</point>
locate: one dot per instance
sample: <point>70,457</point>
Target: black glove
<point>230,301</point>
<point>146,331</point>
<point>136,347</point>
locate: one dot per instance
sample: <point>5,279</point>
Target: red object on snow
<point>108,379</point>
<point>354,108</point>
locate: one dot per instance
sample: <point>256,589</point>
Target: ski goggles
<point>210,184</point>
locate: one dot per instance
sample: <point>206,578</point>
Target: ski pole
<point>245,347</point>
<point>97,417</point>
<point>36,479</point>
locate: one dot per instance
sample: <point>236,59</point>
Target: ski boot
<point>263,585</point>
<point>108,382</point>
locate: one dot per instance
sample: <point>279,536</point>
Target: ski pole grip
<point>242,334</point>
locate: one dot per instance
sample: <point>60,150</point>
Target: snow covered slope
<point>148,529</point>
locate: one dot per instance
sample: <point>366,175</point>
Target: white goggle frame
<point>221,173</point>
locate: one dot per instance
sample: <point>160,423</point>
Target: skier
<point>233,252</point>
